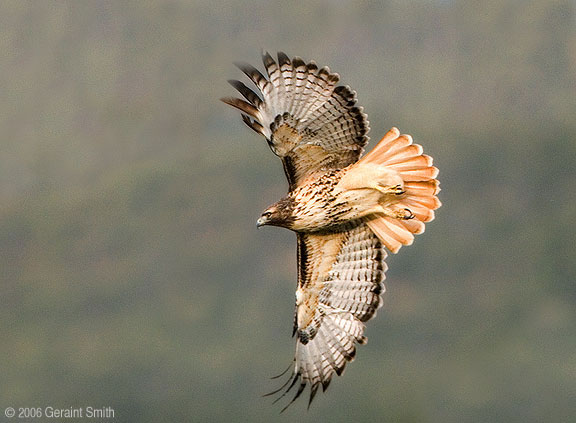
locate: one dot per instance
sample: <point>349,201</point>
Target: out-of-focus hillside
<point>132,272</point>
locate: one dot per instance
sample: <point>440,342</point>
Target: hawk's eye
<point>267,214</point>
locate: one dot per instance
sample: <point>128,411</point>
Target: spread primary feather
<point>346,210</point>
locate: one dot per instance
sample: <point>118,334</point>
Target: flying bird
<point>347,211</point>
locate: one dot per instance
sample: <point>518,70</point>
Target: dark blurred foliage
<point>132,272</point>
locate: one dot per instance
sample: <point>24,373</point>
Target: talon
<point>396,189</point>
<point>409,216</point>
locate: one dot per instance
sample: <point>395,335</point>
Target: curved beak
<point>261,221</point>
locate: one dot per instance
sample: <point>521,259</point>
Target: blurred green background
<point>132,273</point>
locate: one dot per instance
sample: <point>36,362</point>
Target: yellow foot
<point>391,189</point>
<point>403,214</point>
<point>406,214</point>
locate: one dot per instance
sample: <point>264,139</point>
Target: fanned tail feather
<point>397,152</point>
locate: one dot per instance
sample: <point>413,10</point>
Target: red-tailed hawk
<point>346,210</point>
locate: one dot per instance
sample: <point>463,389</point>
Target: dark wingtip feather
<point>294,377</point>
<point>279,389</point>
<point>267,59</point>
<point>312,66</point>
<point>241,105</point>
<point>298,393</point>
<point>243,65</point>
<point>251,72</point>
<point>252,124</point>
<point>283,58</point>
<point>297,62</point>
<point>326,383</point>
<point>313,391</point>
<point>248,94</point>
<point>283,373</point>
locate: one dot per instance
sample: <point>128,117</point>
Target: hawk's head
<point>278,214</point>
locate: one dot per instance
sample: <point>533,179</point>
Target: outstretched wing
<point>309,122</point>
<point>340,281</point>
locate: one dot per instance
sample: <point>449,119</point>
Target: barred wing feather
<point>341,279</point>
<point>309,121</point>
